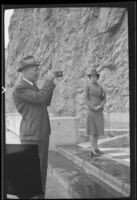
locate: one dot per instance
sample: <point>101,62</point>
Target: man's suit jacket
<point>32,103</point>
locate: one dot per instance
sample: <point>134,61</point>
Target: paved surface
<point>54,189</point>
<point>112,168</point>
<point>79,181</point>
<point>121,155</point>
<point>12,138</point>
<point>65,179</point>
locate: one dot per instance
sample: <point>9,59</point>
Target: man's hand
<point>51,75</point>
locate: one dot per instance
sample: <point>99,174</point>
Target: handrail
<point>13,132</point>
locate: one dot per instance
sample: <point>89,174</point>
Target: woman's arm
<point>88,102</point>
<point>103,99</point>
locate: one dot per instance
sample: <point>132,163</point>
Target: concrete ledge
<point>117,117</point>
<point>111,129</point>
<point>112,181</point>
<point>102,141</point>
<point>66,184</point>
<point>80,182</point>
<point>13,122</point>
<point>64,130</point>
<point>62,175</point>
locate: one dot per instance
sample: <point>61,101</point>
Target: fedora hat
<point>93,72</point>
<point>26,62</point>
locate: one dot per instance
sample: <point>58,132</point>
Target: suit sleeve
<point>44,95</point>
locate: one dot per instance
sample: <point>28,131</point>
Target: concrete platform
<point>75,181</point>
<point>54,189</point>
<point>71,164</point>
<point>115,124</point>
<point>12,137</point>
<point>106,176</point>
<point>117,141</point>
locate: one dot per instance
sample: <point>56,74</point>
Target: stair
<point>85,177</point>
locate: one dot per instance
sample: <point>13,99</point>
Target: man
<point>32,103</point>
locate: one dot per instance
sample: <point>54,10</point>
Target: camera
<point>58,74</point>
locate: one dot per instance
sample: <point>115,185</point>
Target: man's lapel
<point>26,84</point>
<point>35,86</point>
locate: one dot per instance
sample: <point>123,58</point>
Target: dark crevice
<point>114,29</point>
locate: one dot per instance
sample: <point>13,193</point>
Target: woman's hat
<point>26,62</point>
<point>93,72</point>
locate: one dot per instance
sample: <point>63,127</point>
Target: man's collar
<point>28,81</point>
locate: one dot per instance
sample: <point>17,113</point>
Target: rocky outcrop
<point>74,40</point>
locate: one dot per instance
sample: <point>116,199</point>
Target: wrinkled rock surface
<point>74,40</point>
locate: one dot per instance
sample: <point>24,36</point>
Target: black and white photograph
<point>68,110</point>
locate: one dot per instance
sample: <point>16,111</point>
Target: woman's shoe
<point>93,154</point>
<point>98,151</point>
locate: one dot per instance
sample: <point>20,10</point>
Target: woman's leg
<point>93,141</point>
<point>100,127</point>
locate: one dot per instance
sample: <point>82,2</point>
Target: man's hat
<point>93,72</point>
<point>26,62</point>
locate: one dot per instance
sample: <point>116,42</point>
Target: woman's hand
<point>93,108</point>
<point>97,107</point>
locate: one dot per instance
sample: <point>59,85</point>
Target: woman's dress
<point>95,119</point>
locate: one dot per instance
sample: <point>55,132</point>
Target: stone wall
<point>73,39</point>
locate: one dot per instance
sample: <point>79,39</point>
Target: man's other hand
<point>51,75</point>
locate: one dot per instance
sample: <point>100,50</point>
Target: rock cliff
<point>74,40</point>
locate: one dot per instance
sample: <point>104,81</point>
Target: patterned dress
<point>95,95</point>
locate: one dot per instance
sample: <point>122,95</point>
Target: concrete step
<point>104,167</point>
<point>75,181</point>
<point>85,177</point>
<point>117,141</point>
<point>54,189</point>
<point>83,137</point>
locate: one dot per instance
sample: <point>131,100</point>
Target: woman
<point>95,100</point>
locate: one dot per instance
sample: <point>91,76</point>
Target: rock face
<point>74,40</point>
